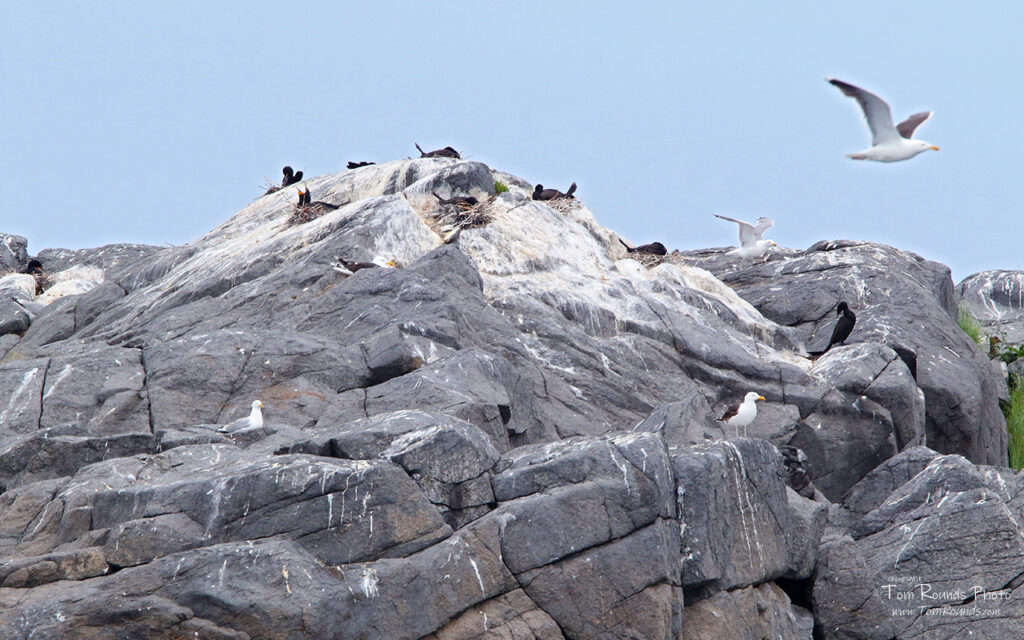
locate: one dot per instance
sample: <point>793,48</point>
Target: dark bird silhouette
<point>33,268</point>
<point>356,165</point>
<point>794,470</point>
<point>351,266</point>
<point>460,201</point>
<point>447,152</point>
<point>540,193</point>
<point>844,325</point>
<point>289,176</point>
<point>654,248</point>
<point>305,200</point>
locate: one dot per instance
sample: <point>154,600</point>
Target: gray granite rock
<point>13,252</point>
<point>513,435</point>
<point>995,299</point>
<point>902,301</point>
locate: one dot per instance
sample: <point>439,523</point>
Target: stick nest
<point>449,218</point>
<point>301,214</point>
<point>563,205</point>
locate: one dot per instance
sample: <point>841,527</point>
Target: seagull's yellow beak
<point>261,405</point>
<point>760,397</point>
<point>933,148</point>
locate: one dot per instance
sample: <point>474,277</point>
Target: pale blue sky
<point>154,122</point>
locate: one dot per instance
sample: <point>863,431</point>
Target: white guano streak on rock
<point>60,376</point>
<point>25,381</point>
<point>739,472</point>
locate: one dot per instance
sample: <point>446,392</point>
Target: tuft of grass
<point>500,187</point>
<point>1014,412</point>
<point>970,325</point>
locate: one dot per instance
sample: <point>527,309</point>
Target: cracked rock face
<point>511,435</point>
<point>996,299</point>
<point>942,542</point>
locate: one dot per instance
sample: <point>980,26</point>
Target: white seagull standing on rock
<point>744,413</point>
<point>254,419</point>
<point>751,243</point>
<point>889,143</point>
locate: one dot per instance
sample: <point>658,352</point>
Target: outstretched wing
<point>876,112</point>
<point>910,125</point>
<point>763,224</point>
<point>747,234</point>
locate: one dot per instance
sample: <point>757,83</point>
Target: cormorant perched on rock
<point>844,325</point>
<point>447,152</point>
<point>654,248</point>
<point>289,176</point>
<point>540,193</point>
<point>460,201</point>
<point>305,200</point>
<point>356,165</point>
<point>742,414</point>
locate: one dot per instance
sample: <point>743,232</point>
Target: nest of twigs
<point>449,218</point>
<point>269,187</point>
<point>304,213</point>
<point>43,282</point>
<point>563,205</point>
<point>649,260</point>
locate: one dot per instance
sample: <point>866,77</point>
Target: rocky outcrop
<point>902,301</point>
<point>925,541</point>
<point>510,432</point>
<point>996,299</point>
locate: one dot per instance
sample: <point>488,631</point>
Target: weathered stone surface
<point>137,541</point>
<point>752,613</point>
<point>995,299</point>
<point>13,252</point>
<point>511,616</point>
<point>68,565</point>
<point>892,474</point>
<point>736,513</point>
<point>514,435</point>
<point>623,589</point>
<point>53,453</point>
<point>946,538</point>
<point>902,301</point>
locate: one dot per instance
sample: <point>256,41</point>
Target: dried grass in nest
<point>649,260</point>
<point>270,187</point>
<point>306,213</point>
<point>447,218</point>
<point>43,282</point>
<point>563,205</point>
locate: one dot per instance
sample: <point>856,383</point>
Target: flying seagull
<point>742,414</point>
<point>254,419</point>
<point>888,143</point>
<point>844,325</point>
<point>752,245</point>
